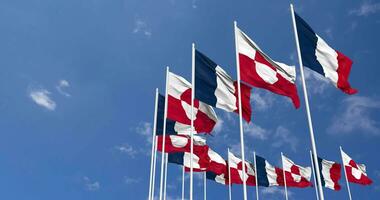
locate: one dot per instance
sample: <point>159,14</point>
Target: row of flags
<point>215,88</point>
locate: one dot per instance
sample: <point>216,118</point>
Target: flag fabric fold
<point>356,173</point>
<point>296,175</point>
<point>321,58</point>
<point>184,158</point>
<point>268,175</point>
<point>236,170</point>
<point>215,87</point>
<point>330,173</point>
<point>182,143</point>
<point>221,178</point>
<point>259,70</point>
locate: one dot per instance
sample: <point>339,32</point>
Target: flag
<point>259,70</point>
<point>182,143</point>
<point>330,173</point>
<point>221,178</point>
<point>216,88</point>
<point>321,58</point>
<point>183,158</point>
<point>217,164</point>
<point>172,127</point>
<point>179,106</point>
<point>236,170</point>
<point>356,173</point>
<point>268,175</point>
<point>296,175</point>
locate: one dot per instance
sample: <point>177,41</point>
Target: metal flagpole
<point>183,182</point>
<point>256,178</point>
<point>240,113</point>
<point>313,146</point>
<point>192,118</point>
<point>164,133</point>
<point>345,174</point>
<point>154,167</point>
<point>283,171</point>
<point>153,145</point>
<point>166,174</point>
<point>229,175</point>
<point>315,180</point>
<point>204,186</point>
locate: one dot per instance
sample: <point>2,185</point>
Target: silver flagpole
<point>154,167</point>
<point>183,182</point>
<point>345,174</point>
<point>166,174</point>
<point>192,118</point>
<point>153,145</point>
<point>256,178</point>
<point>283,171</point>
<point>204,186</point>
<point>313,146</point>
<point>164,133</point>
<point>315,181</point>
<point>229,175</point>
<point>240,113</point>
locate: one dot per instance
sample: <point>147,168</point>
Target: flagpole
<point>204,186</point>
<point>283,171</point>
<point>315,181</point>
<point>313,145</point>
<point>229,175</point>
<point>166,174</point>
<point>192,118</point>
<point>154,166</point>
<point>345,173</point>
<point>256,178</point>
<point>164,133</point>
<point>183,182</point>
<point>153,144</point>
<point>240,114</point>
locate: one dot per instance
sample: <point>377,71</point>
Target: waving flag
<point>216,88</point>
<point>268,175</point>
<point>330,173</point>
<point>217,164</point>
<point>183,158</point>
<point>179,106</point>
<point>182,143</point>
<point>221,178</point>
<point>296,175</point>
<point>320,57</point>
<point>236,169</point>
<point>356,173</point>
<point>172,127</point>
<point>259,70</point>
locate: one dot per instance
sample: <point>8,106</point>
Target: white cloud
<point>218,126</point>
<point>366,8</point>
<point>130,180</point>
<point>145,129</point>
<point>142,28</point>
<point>194,4</point>
<point>262,100</point>
<point>316,83</point>
<point>91,185</point>
<point>356,115</point>
<point>127,149</point>
<point>329,33</point>
<point>62,84</point>
<point>41,97</point>
<point>275,190</point>
<point>256,131</point>
<point>283,137</point>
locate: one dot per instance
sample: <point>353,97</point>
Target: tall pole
<point>153,145</point>
<point>164,133</point>
<point>229,175</point>
<point>283,171</point>
<point>204,186</point>
<point>345,174</point>
<point>183,182</point>
<point>166,174</point>
<point>192,118</point>
<point>313,146</point>
<point>315,180</point>
<point>240,112</point>
<point>256,178</point>
<point>154,166</point>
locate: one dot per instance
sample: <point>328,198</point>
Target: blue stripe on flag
<point>262,178</point>
<point>308,45</point>
<point>205,79</point>
<point>160,119</point>
<point>210,175</point>
<point>320,169</point>
<point>176,158</point>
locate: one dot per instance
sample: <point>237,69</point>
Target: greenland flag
<point>259,70</point>
<point>320,57</point>
<point>356,173</point>
<point>330,173</point>
<point>182,143</point>
<point>236,169</point>
<point>216,88</point>
<point>179,107</point>
<point>184,158</point>
<point>217,164</point>
<point>296,175</point>
<point>268,175</point>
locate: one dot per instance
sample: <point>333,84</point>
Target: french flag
<point>172,127</point>
<point>268,175</point>
<point>296,175</point>
<point>215,87</point>
<point>184,158</point>
<point>221,178</point>
<point>321,58</point>
<point>330,173</point>
<point>356,173</point>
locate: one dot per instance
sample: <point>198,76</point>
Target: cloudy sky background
<point>77,88</point>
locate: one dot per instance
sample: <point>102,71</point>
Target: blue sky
<point>77,88</point>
